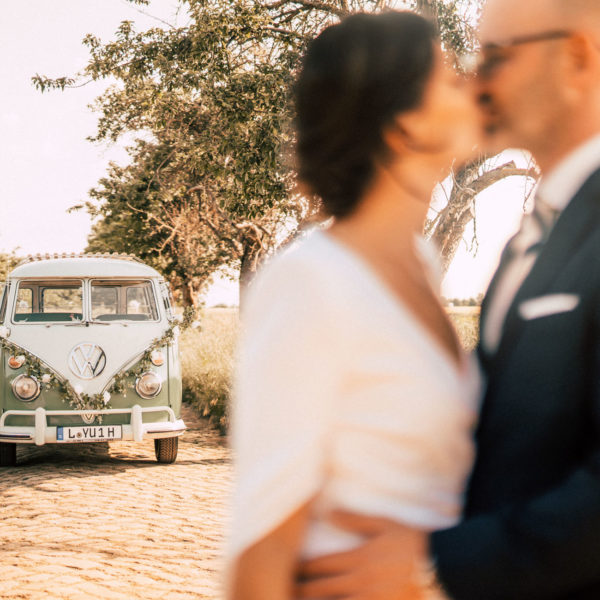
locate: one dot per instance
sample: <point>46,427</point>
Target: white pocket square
<point>545,306</point>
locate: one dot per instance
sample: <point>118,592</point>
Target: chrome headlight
<point>148,385</point>
<point>26,388</point>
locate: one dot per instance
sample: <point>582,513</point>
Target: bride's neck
<point>388,217</point>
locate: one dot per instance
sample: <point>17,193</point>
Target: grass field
<point>207,363</point>
<point>208,355</point>
<point>466,322</point>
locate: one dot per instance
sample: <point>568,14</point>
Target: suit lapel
<point>579,219</point>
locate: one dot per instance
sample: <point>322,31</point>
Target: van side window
<point>165,292</point>
<point>5,290</point>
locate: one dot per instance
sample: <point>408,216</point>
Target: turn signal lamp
<point>16,362</point>
<point>157,358</point>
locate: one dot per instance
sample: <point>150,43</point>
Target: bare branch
<point>459,210</point>
<point>499,173</point>
<point>283,31</point>
<point>311,4</point>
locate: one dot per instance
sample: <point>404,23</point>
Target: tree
<point>8,261</point>
<point>210,183</point>
<point>448,226</point>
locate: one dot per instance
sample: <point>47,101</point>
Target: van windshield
<point>123,301</point>
<point>49,301</point>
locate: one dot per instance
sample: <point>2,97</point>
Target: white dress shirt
<point>342,396</point>
<point>557,189</point>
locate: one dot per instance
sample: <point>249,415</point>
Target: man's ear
<point>581,67</point>
<point>583,53</point>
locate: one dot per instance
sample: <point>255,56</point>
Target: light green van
<point>88,353</point>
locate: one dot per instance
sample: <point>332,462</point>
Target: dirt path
<point>93,521</point>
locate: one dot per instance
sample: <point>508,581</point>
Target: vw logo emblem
<point>87,360</point>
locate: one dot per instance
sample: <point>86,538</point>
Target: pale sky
<point>47,165</point>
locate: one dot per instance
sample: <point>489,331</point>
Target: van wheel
<point>8,454</point>
<point>166,449</point>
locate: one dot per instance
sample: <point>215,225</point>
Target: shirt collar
<point>558,187</point>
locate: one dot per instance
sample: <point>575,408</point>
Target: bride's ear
<point>404,134</point>
<point>395,137</point>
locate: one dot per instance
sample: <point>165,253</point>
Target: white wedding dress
<point>344,398</point>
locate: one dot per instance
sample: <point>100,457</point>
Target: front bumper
<point>40,433</point>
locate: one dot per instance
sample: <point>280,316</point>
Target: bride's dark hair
<point>356,76</point>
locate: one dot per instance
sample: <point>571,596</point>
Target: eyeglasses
<point>493,54</point>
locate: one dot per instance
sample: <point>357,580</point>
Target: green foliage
<point>456,21</point>
<point>473,301</point>
<point>210,184</point>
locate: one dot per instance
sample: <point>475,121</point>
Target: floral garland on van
<point>74,395</point>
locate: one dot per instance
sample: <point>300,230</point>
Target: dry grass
<point>466,322</point>
<point>207,363</point>
<point>208,355</point>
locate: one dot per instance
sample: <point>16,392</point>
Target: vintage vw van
<point>88,354</point>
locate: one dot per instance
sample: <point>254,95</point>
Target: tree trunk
<point>449,227</point>
<point>250,263</point>
<point>189,293</point>
<point>426,7</point>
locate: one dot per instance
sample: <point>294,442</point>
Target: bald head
<point>578,14</point>
<point>539,78</point>
<point>506,19</point>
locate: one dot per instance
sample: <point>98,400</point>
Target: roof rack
<point>56,255</point>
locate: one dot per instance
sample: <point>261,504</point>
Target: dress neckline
<point>459,366</point>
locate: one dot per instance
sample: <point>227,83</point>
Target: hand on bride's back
<point>390,565</point>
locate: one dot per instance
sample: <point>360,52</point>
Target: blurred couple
<point>374,459</point>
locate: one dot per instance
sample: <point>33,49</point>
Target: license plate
<point>91,433</point>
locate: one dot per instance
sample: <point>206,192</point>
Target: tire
<point>166,449</point>
<point>8,454</point>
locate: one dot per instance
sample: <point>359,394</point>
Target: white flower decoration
<point>21,358</point>
<point>4,331</point>
<point>46,378</point>
<point>106,398</point>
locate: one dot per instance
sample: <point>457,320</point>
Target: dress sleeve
<point>283,399</point>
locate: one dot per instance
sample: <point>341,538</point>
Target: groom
<point>531,527</point>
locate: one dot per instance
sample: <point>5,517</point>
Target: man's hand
<point>388,566</point>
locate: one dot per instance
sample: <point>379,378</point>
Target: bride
<point>352,389</point>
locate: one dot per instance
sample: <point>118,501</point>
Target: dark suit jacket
<point>531,527</point>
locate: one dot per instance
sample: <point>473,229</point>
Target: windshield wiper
<point>87,323</point>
